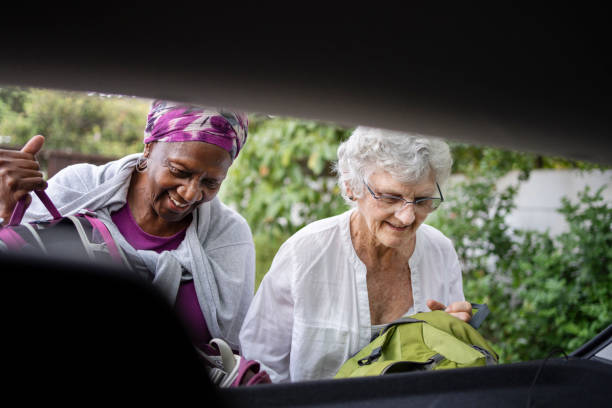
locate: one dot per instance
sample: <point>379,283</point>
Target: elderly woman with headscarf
<point>161,207</point>
<point>337,281</point>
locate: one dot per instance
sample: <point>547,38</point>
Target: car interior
<point>523,79</point>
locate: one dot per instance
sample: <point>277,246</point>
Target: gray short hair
<point>407,157</point>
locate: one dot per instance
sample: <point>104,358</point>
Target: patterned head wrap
<point>173,122</point>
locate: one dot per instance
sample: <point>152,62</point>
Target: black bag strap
<point>482,311</point>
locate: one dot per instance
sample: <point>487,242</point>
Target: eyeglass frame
<point>406,202</point>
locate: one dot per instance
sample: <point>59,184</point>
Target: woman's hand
<point>461,310</point>
<point>19,174</point>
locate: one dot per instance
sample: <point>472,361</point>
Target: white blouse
<point>311,312</point>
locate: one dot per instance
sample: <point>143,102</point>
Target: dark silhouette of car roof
<point>522,78</point>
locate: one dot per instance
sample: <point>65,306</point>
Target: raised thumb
<point>33,145</point>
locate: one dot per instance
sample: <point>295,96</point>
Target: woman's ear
<point>349,191</point>
<point>147,150</point>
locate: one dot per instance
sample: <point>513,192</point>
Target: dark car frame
<point>515,77</point>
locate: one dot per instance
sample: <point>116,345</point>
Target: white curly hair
<point>408,158</point>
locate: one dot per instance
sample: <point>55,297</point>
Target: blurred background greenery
<point>544,291</point>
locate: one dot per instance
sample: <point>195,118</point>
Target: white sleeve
<point>267,331</point>
<point>234,268</point>
<point>455,279</point>
<point>229,253</point>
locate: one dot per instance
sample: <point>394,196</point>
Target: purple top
<point>186,306</point>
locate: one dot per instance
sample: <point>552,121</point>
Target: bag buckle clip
<point>85,211</point>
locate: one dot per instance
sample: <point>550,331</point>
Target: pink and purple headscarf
<point>173,122</point>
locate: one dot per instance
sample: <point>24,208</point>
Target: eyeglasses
<point>396,203</point>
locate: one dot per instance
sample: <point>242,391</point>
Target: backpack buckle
<point>85,211</point>
<point>375,355</point>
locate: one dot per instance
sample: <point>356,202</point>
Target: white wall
<point>538,198</point>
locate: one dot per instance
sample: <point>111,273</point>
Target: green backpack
<point>424,341</point>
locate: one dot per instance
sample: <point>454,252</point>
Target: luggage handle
<point>19,210</point>
<point>113,250</point>
<point>482,311</point>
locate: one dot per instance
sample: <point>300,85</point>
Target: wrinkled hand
<point>19,174</point>
<point>461,310</point>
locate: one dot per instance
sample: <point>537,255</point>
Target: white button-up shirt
<point>311,312</point>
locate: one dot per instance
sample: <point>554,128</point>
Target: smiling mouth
<point>177,203</point>
<point>396,228</point>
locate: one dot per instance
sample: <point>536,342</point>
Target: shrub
<point>543,291</point>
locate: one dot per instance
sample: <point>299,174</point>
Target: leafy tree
<point>74,122</point>
<point>543,291</point>
<point>283,180</point>
<point>13,99</point>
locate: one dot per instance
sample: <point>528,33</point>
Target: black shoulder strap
<point>482,311</point>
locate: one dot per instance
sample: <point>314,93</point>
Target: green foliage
<point>543,291</point>
<point>74,122</point>
<point>283,178</point>
<point>493,163</point>
<point>266,245</point>
<point>12,99</point>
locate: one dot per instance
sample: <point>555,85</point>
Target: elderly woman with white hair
<point>338,280</point>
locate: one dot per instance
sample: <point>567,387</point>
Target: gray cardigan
<point>217,253</point>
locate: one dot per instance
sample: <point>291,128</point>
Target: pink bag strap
<point>13,240</point>
<point>106,236</point>
<point>259,377</point>
<point>20,208</point>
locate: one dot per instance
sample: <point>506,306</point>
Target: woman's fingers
<point>14,179</point>
<point>435,305</point>
<point>460,306</point>
<point>19,174</point>
<point>31,183</point>
<point>461,310</point>
<point>33,145</point>
<point>466,317</point>
<point>23,163</point>
<point>10,156</point>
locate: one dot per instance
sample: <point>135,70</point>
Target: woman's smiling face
<point>394,229</point>
<point>182,175</point>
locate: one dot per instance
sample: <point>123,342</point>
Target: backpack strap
<point>82,236</point>
<point>482,311</point>
<point>20,208</point>
<point>393,323</point>
<point>106,236</point>
<point>376,353</point>
<point>11,239</point>
<point>36,237</point>
<point>401,320</point>
<point>113,249</point>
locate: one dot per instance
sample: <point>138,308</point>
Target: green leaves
<point>285,171</point>
<point>283,180</point>
<point>543,291</point>
<point>71,121</point>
